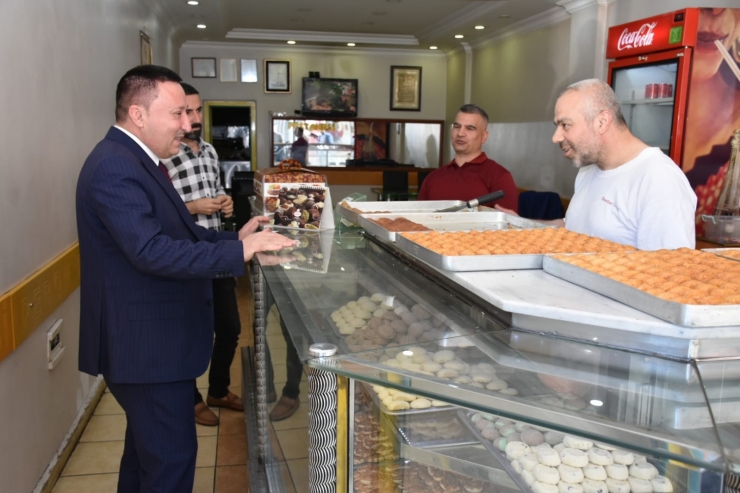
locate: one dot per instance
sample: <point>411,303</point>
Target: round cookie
<point>548,457</point>
<point>421,404</point>
<point>464,379</point>
<point>529,461</point>
<point>501,443</point>
<point>397,405</point>
<point>617,471</point>
<point>575,442</point>
<point>377,298</point>
<point>444,356</point>
<point>570,474</point>
<point>514,437</point>
<point>447,373</point>
<point>502,423</point>
<point>623,457</point>
<point>545,474</point>
<point>617,486</point>
<point>574,457</point>
<point>559,447</point>
<point>553,437</point>
<point>638,485</point>
<point>643,470</point>
<point>516,466</point>
<point>591,486</point>
<point>528,477</point>
<point>509,391</point>
<point>490,434</point>
<point>507,431</point>
<point>661,484</point>
<point>595,472</point>
<point>496,384</point>
<point>530,436</point>
<point>564,487</point>
<point>516,449</point>
<point>600,457</point>
<point>521,426</point>
<point>431,366</point>
<point>540,487</point>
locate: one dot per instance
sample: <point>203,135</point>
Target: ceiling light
<point>504,16</point>
<point>291,42</point>
<point>596,403</point>
<point>459,36</point>
<point>432,47</point>
<point>201,26</point>
<point>192,2</point>
<point>480,27</point>
<point>350,44</point>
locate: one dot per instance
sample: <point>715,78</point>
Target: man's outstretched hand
<point>265,241</point>
<point>252,226</point>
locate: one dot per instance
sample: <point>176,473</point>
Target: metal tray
<point>677,313</point>
<point>467,263</point>
<point>393,207</point>
<point>720,251</point>
<point>448,221</point>
<point>405,412</point>
<point>412,439</point>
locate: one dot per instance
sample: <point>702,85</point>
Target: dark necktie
<point>163,169</point>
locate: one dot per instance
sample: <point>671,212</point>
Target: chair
<point>242,187</point>
<point>395,185</point>
<point>540,205</point>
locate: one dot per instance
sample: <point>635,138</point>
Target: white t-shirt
<point>647,203</point>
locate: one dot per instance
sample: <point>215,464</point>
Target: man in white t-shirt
<point>625,191</point>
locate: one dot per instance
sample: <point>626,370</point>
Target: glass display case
<point>230,126</point>
<point>413,387</point>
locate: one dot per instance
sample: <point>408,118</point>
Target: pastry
<point>516,466</point>
<point>617,471</point>
<point>575,442</point>
<point>643,470</point>
<point>516,449</point>
<point>421,403</point>
<point>638,485</point>
<point>595,472</point>
<point>528,477</point>
<point>549,457</point>
<point>661,484</point>
<point>540,487</point>
<point>443,356</point>
<point>564,487</point>
<point>570,474</point>
<point>574,457</point>
<point>553,437</point>
<point>496,384</point>
<point>600,457</point>
<point>623,457</point>
<point>529,461</point>
<point>617,486</point>
<point>490,434</point>
<point>507,431</point>
<point>509,391</point>
<point>530,436</point>
<point>545,474</point>
<point>591,486</point>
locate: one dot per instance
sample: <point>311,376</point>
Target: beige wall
<point>455,94</point>
<point>370,67</point>
<point>61,62</point>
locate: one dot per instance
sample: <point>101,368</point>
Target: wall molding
<point>547,18</point>
<point>333,50</point>
<point>322,36</point>
<point>463,18</point>
<point>573,6</point>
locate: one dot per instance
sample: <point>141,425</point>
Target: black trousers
<point>227,327</point>
<point>293,366</point>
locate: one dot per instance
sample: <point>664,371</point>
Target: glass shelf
<point>652,102</point>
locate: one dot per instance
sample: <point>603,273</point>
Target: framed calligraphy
<point>405,88</point>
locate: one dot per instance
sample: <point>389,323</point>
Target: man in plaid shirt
<point>195,175</point>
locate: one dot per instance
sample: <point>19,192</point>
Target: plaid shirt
<point>197,176</point>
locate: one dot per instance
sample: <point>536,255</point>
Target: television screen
<point>329,97</point>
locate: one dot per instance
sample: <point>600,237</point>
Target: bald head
<point>595,97</point>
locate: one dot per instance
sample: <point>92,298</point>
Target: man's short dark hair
<point>139,86</point>
<point>189,90</point>
<point>299,131</point>
<point>474,109</point>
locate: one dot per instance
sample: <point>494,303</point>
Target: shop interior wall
<point>370,67</point>
<point>455,94</point>
<point>61,62</point>
<point>631,10</point>
<point>517,81</point>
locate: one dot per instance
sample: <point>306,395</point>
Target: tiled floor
<point>221,465</point>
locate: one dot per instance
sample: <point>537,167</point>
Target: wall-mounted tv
<point>329,97</point>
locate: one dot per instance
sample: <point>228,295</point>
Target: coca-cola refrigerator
<point>678,91</point>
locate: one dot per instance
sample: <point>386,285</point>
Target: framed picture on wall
<point>405,88</point>
<point>203,67</point>
<point>249,70</point>
<point>146,48</point>
<point>277,76</point>
<point>228,70</point>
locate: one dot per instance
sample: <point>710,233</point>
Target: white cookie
<point>357,322</point>
<point>549,457</point>
<point>595,472</point>
<point>421,404</point>
<point>574,457</point>
<point>351,305</point>
<point>503,423</point>
<point>437,403</point>
<point>444,356</point>
<point>564,487</point>
<point>600,457</point>
<point>559,447</point>
<point>643,470</point>
<point>336,316</point>
<point>517,449</point>
<point>605,446</point>
<point>377,297</point>
<point>570,474</point>
<point>496,384</point>
<point>481,377</point>
<point>545,474</point>
<point>617,471</point>
<point>591,486</point>
<point>509,391</point>
<point>368,306</point>
<point>516,466</point>
<point>640,458</point>
<point>553,437</point>
<point>528,477</point>
<point>661,484</point>
<point>403,396</point>
<point>346,330</point>
<point>431,366</point>
<point>383,394</point>
<point>455,365</point>
<point>475,384</point>
<point>397,405</point>
<point>540,487</point>
<point>447,373</point>
<point>529,461</point>
<point>638,485</point>
<point>623,457</point>
<point>575,442</point>
<point>617,486</point>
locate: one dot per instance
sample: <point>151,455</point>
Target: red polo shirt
<point>472,180</point>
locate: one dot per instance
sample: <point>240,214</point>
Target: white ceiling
<point>431,22</point>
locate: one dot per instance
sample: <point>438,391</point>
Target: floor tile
<point>94,458</point>
<point>278,355</point>
<point>287,479</point>
<point>232,423</point>
<point>206,452</point>
<point>204,479</point>
<point>232,479</point>
<point>294,443</point>
<point>96,483</point>
<point>299,472</point>
<point>277,450</point>
<point>280,372</point>
<point>105,428</point>
<point>108,405</point>
<point>298,420</point>
<point>232,450</point>
<point>202,381</point>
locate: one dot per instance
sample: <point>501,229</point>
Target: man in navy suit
<point>146,318</point>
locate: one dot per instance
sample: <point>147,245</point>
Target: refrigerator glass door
<point>647,96</point>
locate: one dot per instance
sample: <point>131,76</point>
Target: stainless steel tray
<point>393,207</point>
<point>467,263</point>
<point>448,221</point>
<point>677,313</point>
<point>412,438</point>
<point>720,252</point>
<point>406,412</point>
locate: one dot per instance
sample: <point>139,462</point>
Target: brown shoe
<point>204,416</point>
<point>231,401</point>
<point>284,409</point>
<point>271,397</point>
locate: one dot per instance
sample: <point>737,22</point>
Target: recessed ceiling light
<point>504,16</point>
<point>291,42</point>
<point>480,27</point>
<point>192,2</point>
<point>459,36</point>
<point>596,403</point>
<point>201,26</point>
<point>432,47</point>
<point>350,44</point>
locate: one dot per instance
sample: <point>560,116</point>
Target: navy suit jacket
<point>146,311</point>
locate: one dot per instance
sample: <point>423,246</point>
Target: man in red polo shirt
<point>471,174</point>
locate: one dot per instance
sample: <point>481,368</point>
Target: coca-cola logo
<point>636,39</point>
